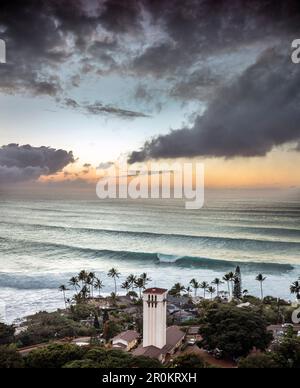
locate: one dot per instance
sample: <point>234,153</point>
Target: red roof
<point>155,291</point>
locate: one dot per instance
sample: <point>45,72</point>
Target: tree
<point>258,361</point>
<point>73,282</point>
<point>237,289</point>
<point>126,286</point>
<point>114,274</point>
<point>234,331</point>
<point>145,279</point>
<point>81,364</point>
<point>82,277</point>
<point>6,334</point>
<point>110,330</point>
<point>53,356</point>
<point>227,279</point>
<point>63,289</point>
<point>245,293</point>
<point>195,285</point>
<point>287,353</point>
<point>131,280</point>
<point>189,361</point>
<point>204,286</point>
<point>10,358</point>
<point>295,289</point>
<point>140,284</point>
<point>260,278</point>
<point>177,289</point>
<point>217,282</point>
<point>90,281</point>
<point>98,284</point>
<point>211,291</point>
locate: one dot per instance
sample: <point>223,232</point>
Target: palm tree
<point>227,279</point>
<point>139,283</point>
<point>114,274</point>
<point>232,280</point>
<point>82,277</point>
<point>145,279</point>
<point>131,280</point>
<point>90,281</point>
<point>295,289</point>
<point>212,291</point>
<point>126,286</point>
<point>74,283</point>
<point>177,289</point>
<point>98,284</point>
<point>63,289</point>
<point>204,286</point>
<point>245,292</point>
<point>217,282</point>
<point>84,293</point>
<point>260,278</point>
<point>195,285</point>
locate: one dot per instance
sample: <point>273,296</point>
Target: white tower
<point>155,317</point>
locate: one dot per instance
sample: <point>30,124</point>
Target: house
<point>174,340</point>
<point>126,340</point>
<point>183,316</point>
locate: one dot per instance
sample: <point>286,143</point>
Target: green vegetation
<point>44,327</point>
<point>10,358</point>
<point>189,361</point>
<point>284,355</point>
<point>234,331</point>
<point>6,334</point>
<point>72,356</point>
<point>258,361</point>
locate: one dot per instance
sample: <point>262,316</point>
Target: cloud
<point>257,112</point>
<point>196,85</point>
<point>27,163</point>
<point>105,165</point>
<point>98,108</point>
<point>195,29</point>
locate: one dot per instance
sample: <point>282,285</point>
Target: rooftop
<point>174,335</point>
<point>155,291</point>
<point>128,336</point>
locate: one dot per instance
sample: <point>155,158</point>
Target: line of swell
<point>295,232</point>
<point>59,250</point>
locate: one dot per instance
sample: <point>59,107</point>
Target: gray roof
<point>128,336</point>
<point>174,335</point>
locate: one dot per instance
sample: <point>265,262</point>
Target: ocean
<point>43,243</point>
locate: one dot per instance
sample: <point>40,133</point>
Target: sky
<point>87,82</point>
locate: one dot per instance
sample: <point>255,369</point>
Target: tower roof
<point>155,291</point>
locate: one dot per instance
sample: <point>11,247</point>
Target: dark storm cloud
<point>117,37</point>
<point>196,28</point>
<point>258,111</point>
<point>25,163</point>
<point>98,108</point>
<point>41,35</point>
